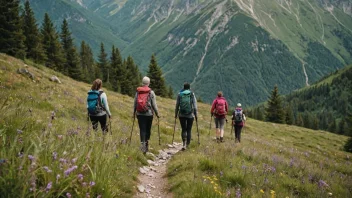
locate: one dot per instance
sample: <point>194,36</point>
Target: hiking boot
<point>217,140</point>
<point>143,147</point>
<point>222,139</point>
<point>147,146</point>
<point>184,146</point>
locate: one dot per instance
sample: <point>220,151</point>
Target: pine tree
<point>103,63</point>
<point>51,45</point>
<point>33,41</point>
<point>87,62</point>
<point>132,77</point>
<point>332,126</point>
<point>348,145</point>
<point>259,114</point>
<point>341,127</point>
<point>11,34</point>
<point>72,62</point>
<point>117,70</point>
<point>157,81</point>
<point>289,117</point>
<point>316,123</point>
<point>274,111</point>
<point>299,120</point>
<point>170,92</point>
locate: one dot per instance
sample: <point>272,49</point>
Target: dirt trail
<point>152,180</point>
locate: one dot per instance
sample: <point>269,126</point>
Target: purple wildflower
<point>68,171</point>
<point>87,195</point>
<point>99,196</point>
<point>80,177</point>
<point>48,187</point>
<point>84,184</point>
<point>57,177</point>
<point>244,167</point>
<point>68,195</point>
<point>47,169</point>
<point>30,157</point>
<point>322,184</point>
<point>62,160</point>
<point>238,193</point>
<point>54,155</point>
<point>19,131</point>
<point>92,183</point>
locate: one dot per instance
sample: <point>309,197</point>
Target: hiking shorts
<point>219,123</point>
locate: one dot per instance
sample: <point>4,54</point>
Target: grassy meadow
<point>48,149</point>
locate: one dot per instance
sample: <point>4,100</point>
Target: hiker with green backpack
<point>145,107</point>
<point>186,110</point>
<point>98,106</point>
<point>238,121</point>
<point>219,109</point>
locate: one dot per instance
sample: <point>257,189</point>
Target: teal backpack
<point>186,102</point>
<point>94,102</point>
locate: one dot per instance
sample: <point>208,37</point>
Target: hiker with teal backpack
<point>219,109</point>
<point>145,107</point>
<point>186,110</point>
<point>98,106</point>
<point>238,120</point>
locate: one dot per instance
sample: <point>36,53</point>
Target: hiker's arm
<point>227,107</point>
<point>177,105</point>
<point>154,106</point>
<point>195,108</point>
<point>244,119</point>
<point>104,98</point>
<point>212,107</point>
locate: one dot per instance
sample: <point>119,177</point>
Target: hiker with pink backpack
<point>145,107</point>
<point>219,109</point>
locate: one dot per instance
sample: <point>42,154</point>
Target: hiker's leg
<point>149,127</point>
<point>189,129</point>
<point>94,121</point>
<point>239,133</point>
<point>217,127</point>
<point>222,124</point>
<point>142,127</point>
<point>183,122</point>
<point>102,121</point>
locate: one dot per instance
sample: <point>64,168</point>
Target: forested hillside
<point>240,47</point>
<point>324,105</point>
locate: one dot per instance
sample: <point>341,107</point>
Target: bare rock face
<point>55,79</point>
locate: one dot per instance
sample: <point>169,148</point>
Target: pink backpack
<point>220,108</point>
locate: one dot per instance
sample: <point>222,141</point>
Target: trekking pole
<point>231,130</point>
<point>197,130</point>
<point>110,125</point>
<point>173,135</point>
<point>159,131</point>
<point>134,118</point>
<point>211,117</point>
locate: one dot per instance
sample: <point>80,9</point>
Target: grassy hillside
<point>47,148</point>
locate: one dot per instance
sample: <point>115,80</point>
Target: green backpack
<point>185,102</point>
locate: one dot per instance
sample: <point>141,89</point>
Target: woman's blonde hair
<point>97,84</point>
<point>220,94</point>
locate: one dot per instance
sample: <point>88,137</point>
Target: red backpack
<point>143,99</point>
<point>220,108</point>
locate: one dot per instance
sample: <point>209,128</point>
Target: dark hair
<point>186,85</point>
<point>220,94</point>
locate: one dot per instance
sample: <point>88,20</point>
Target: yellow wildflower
<point>212,182</point>
<point>272,192</point>
<point>215,179</point>
<point>261,190</point>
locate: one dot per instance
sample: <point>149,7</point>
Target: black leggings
<point>238,130</point>
<point>186,124</point>
<point>145,124</point>
<point>101,120</point>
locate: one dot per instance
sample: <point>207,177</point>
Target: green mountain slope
<point>45,139</point>
<point>323,105</point>
<point>241,47</point>
<point>84,24</point>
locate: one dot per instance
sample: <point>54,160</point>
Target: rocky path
<point>152,180</point>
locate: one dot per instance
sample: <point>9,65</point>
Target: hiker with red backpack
<point>219,109</point>
<point>98,106</point>
<point>145,107</point>
<point>238,121</point>
<point>186,110</point>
